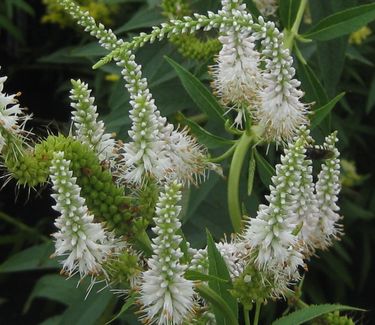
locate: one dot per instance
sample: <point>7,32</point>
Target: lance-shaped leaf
<point>323,111</point>
<point>199,93</point>
<point>306,314</point>
<point>218,268</point>
<point>342,23</point>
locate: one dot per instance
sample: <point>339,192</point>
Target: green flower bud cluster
<point>23,165</point>
<point>334,318</point>
<point>123,269</point>
<point>146,200</point>
<point>252,286</point>
<point>103,197</point>
<point>190,46</point>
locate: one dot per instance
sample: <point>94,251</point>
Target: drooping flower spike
<point>157,150</point>
<point>277,107</point>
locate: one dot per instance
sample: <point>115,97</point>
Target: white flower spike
<point>327,189</point>
<point>236,77</point>
<point>282,112</point>
<point>270,235</point>
<point>87,129</point>
<point>85,244</point>
<point>166,295</point>
<point>12,117</point>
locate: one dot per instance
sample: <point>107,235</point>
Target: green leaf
<point>199,276</point>
<point>8,25</point>
<point>218,268</point>
<point>184,246</point>
<point>331,58</point>
<point>359,212</point>
<point>342,23</point>
<point>314,90</point>
<point>252,8</point>
<point>288,12</point>
<point>250,176</point>
<point>353,54</point>
<point>88,311</point>
<point>226,315</point>
<point>210,140</point>
<point>89,50</point>
<point>371,97</point>
<point>128,304</point>
<point>201,96</point>
<point>306,314</point>
<point>54,320</point>
<point>143,18</point>
<point>63,55</point>
<point>24,6</point>
<point>33,258</point>
<point>265,170</point>
<point>198,195</point>
<point>55,287</point>
<point>322,112</point>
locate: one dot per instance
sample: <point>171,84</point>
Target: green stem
<point>301,304</point>
<point>144,242</point>
<point>217,301</point>
<point>293,32</point>
<point>257,312</point>
<point>246,316</point>
<point>22,226</point>
<point>199,118</point>
<point>294,299</point>
<point>225,155</point>
<point>234,203</point>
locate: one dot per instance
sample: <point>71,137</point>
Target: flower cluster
<point>282,111</point>
<point>87,129</point>
<point>157,150</point>
<point>166,295</point>
<point>85,243</point>
<point>258,82</point>
<point>300,216</point>
<point>12,117</point>
<point>141,184</point>
<point>327,190</point>
<point>270,234</point>
<point>236,77</point>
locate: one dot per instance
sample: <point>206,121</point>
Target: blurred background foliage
<point>41,50</point>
